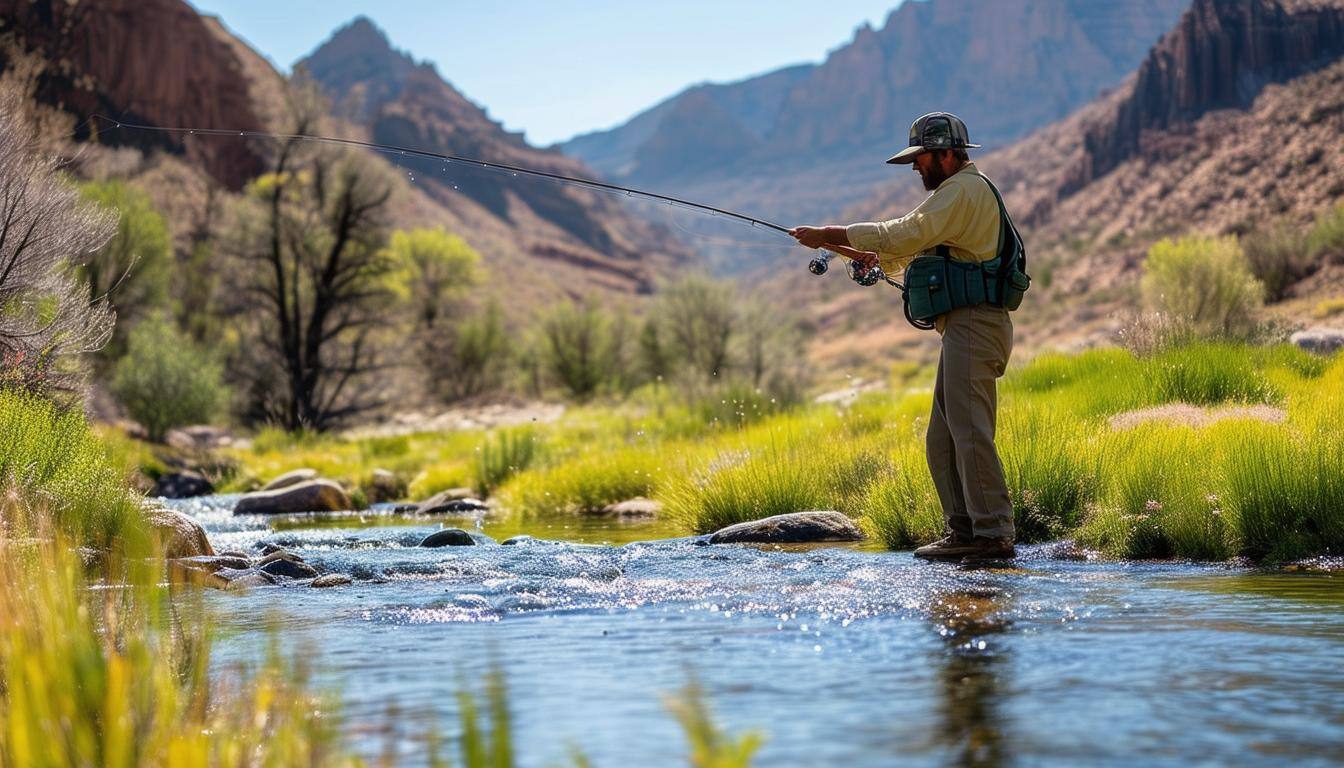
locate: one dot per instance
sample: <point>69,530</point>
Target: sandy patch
<point>1197,416</point>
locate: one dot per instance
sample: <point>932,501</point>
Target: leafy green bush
<point>1205,282</point>
<point>578,348</point>
<point>164,381</point>
<point>1326,239</point>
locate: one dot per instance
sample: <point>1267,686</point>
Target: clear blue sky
<point>554,68</point>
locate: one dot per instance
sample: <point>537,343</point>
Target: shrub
<point>901,508</point>
<point>164,381</point>
<point>1051,468</point>
<point>1278,258</point>
<point>746,485</point>
<point>50,461</point>
<point>1207,374</point>
<point>1206,282</point>
<point>578,348</point>
<point>133,269</point>
<point>507,453</point>
<point>1326,238</point>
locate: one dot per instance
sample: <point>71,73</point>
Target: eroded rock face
<point>293,477</point>
<point>142,61</point>
<point>177,534</point>
<point>182,485</point>
<point>793,528</point>
<point>309,496</point>
<point>1220,56</point>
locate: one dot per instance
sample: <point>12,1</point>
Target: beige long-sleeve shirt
<point>961,212</point>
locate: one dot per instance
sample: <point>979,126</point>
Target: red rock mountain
<point>1233,122</point>
<point>160,63</point>
<point>803,143</point>
<point>156,62</point>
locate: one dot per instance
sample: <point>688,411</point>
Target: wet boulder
<point>1319,341</point>
<point>451,501</point>
<point>307,496</point>
<point>793,528</point>
<point>293,477</point>
<point>448,537</point>
<point>331,580</point>
<point>244,579</point>
<point>633,508</point>
<point>289,569</point>
<point>182,485</point>
<point>176,534</point>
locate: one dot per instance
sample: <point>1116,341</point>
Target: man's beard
<point>935,177</point>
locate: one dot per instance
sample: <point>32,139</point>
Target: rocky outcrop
<point>153,62</point>
<point>308,496</point>
<point>176,534</point>
<point>182,485</point>
<point>1220,56</point>
<point>793,528</point>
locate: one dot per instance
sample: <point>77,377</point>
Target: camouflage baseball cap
<point>936,130</point>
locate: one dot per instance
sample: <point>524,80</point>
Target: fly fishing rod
<point>858,271</point>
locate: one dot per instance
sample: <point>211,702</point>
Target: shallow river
<point>839,656</point>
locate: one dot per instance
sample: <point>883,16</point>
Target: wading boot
<point>986,550</point>
<point>951,548</point>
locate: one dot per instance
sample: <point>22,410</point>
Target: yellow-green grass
<point>1071,469</point>
<point>50,458</point>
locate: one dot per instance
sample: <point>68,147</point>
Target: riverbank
<point>1202,451</point>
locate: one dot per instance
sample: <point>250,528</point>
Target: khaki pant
<point>960,443</point>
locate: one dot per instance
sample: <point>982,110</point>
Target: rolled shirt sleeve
<point>938,219</point>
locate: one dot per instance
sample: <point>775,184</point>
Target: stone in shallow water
<point>310,496</point>
<point>244,579</point>
<point>451,501</point>
<point>290,569</point>
<point>182,485</point>
<point>178,535</point>
<point>448,537</point>
<point>331,580</point>
<point>793,528</point>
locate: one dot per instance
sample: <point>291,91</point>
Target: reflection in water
<point>972,666</point>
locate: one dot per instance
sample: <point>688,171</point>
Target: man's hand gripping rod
<point>865,271</point>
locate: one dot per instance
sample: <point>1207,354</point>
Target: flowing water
<point>840,656</point>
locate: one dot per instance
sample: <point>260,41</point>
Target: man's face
<point>930,170</point>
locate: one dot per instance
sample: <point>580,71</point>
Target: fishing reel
<point>860,274</point>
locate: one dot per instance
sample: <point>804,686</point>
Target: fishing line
<point>447,158</point>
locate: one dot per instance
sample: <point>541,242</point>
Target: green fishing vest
<point>936,284</point>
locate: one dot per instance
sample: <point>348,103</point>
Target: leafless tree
<point>311,284</point>
<point>47,322</point>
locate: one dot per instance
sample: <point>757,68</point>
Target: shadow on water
<point>971,668</point>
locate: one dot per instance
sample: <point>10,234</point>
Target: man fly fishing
<point>964,270</point>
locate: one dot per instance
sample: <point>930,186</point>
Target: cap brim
<point>906,155</point>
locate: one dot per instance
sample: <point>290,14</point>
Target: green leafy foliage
<point>1206,283</point>
<point>164,381</point>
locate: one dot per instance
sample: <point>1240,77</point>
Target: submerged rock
<point>308,496</point>
<point>212,563</point>
<point>293,477</point>
<point>177,534</point>
<point>448,537</point>
<point>793,528</point>
<point>331,580</point>
<point>182,485</point>
<point>521,540</point>
<point>244,579</point>
<point>636,507</point>
<point>453,501</point>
